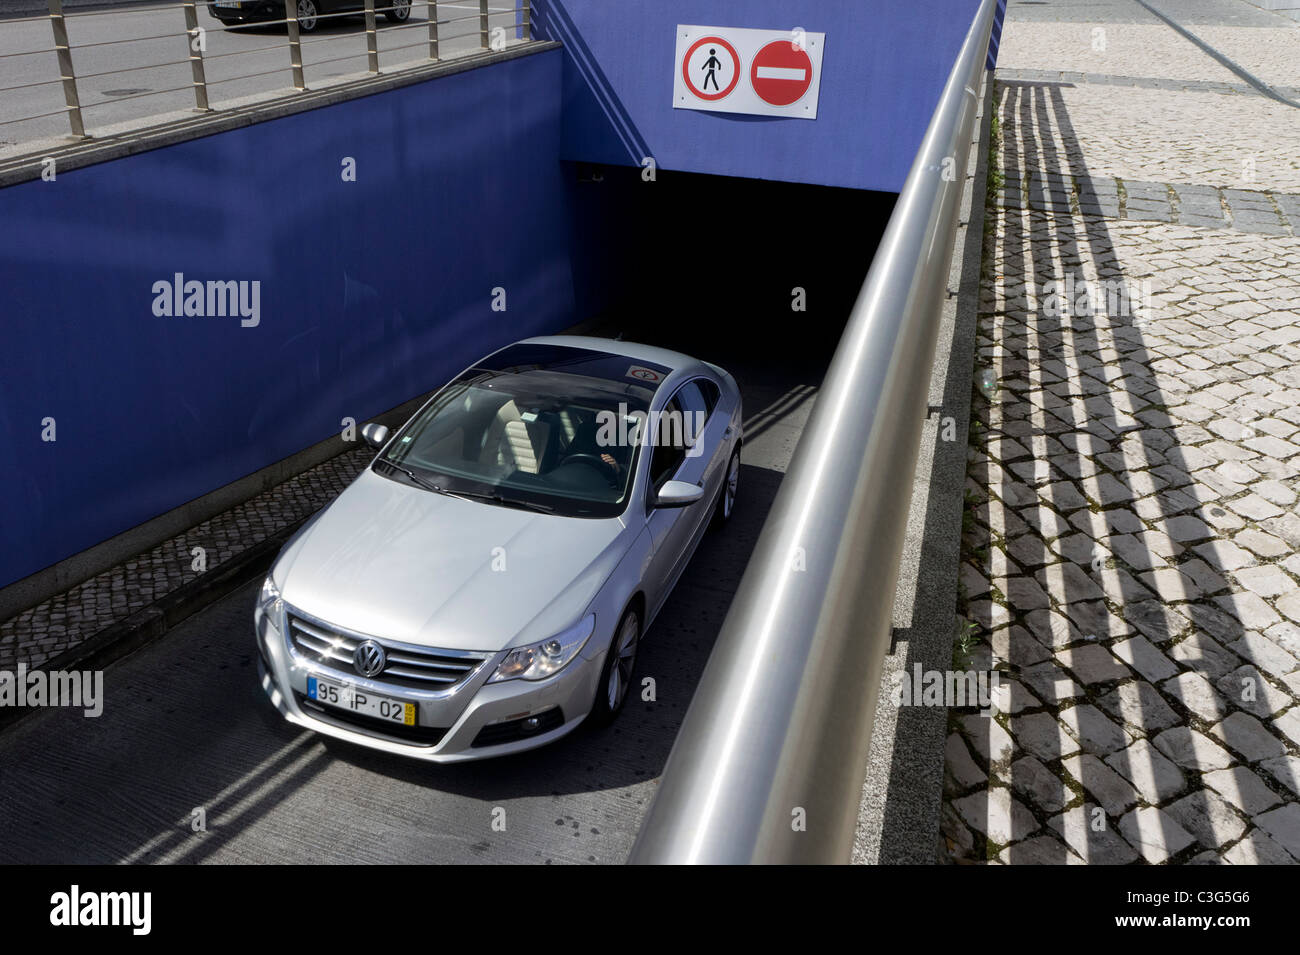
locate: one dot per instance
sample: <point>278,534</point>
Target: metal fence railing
<point>770,761</point>
<point>488,26</point>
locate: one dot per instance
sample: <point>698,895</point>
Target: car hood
<point>403,563</point>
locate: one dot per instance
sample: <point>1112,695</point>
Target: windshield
<point>552,440</point>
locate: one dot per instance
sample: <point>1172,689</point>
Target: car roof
<point>675,365</point>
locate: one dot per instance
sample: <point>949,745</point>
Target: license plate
<point>228,3</point>
<point>345,696</point>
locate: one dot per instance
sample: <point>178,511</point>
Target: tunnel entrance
<point>709,265</point>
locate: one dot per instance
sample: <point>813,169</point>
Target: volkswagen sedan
<point>483,586</point>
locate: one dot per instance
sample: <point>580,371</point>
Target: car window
<point>556,440</point>
<point>669,445</point>
<point>710,392</point>
<point>695,409</point>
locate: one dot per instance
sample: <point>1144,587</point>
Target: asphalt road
<point>127,82</point>
<point>185,725</point>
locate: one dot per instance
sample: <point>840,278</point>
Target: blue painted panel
<point>885,65</point>
<point>371,292</point>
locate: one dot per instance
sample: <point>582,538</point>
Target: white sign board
<point>759,72</point>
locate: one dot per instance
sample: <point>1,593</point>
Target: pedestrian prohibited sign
<point>711,68</point>
<point>760,72</point>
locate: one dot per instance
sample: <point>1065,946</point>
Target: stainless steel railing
<point>496,25</point>
<point>770,761</point>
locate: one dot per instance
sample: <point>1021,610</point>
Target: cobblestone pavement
<point>1131,557</point>
<point>42,632</point>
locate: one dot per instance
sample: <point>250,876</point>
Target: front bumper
<point>248,11</point>
<point>465,723</point>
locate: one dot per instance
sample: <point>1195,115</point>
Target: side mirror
<point>375,435</point>
<point>678,494</point>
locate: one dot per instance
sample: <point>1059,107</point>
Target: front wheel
<point>616,676</point>
<point>400,12</point>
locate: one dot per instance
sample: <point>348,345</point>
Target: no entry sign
<point>738,70</point>
<point>782,73</point>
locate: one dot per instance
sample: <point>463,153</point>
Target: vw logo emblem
<point>368,658</point>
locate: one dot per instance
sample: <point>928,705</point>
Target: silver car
<point>482,587</point>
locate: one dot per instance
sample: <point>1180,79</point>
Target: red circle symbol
<point>782,73</point>
<point>697,87</point>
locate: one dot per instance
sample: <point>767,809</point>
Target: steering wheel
<point>595,461</point>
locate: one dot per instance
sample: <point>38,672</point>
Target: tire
<point>308,16</point>
<point>609,702</point>
<point>727,496</point>
<point>401,11</point>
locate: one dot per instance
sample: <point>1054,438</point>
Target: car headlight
<point>539,660</point>
<point>269,599</point>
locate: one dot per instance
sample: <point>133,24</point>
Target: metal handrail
<point>770,761</point>
<point>518,18</point>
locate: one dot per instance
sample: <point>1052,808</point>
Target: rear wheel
<point>401,11</point>
<point>730,485</point>
<point>308,15</point>
<point>616,676</point>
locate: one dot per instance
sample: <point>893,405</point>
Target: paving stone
<point>1156,778</point>
<point>1192,750</point>
<point>1092,664</point>
<point>1050,683</point>
<point>1265,654</point>
<point>1154,833</point>
<point>1095,847</point>
<point>1040,850</point>
<point>1015,645</point>
<point>1266,580</point>
<point>1143,656</point>
<point>1187,528</point>
<point>1243,788</point>
<point>1197,695</point>
<point>1067,583</point>
<point>1111,791</point>
<point>1250,609</point>
<point>1024,594</point>
<point>1158,622</point>
<point>1258,848</point>
<point>1247,688</point>
<point>1036,783</point>
<point>1225,555</point>
<point>996,814</point>
<point>1288,724</point>
<point>1041,735</point>
<point>1208,817</point>
<point>1246,735</point>
<point>1285,769</point>
<point>960,766</point>
<point>1283,826</point>
<point>1222,626</point>
<point>1139,704</point>
<point>1095,733</point>
<point>1265,545</point>
<point>987,738</point>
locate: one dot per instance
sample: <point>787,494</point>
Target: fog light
<point>532,723</point>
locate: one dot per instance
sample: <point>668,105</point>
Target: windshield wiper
<point>492,496</point>
<point>497,498</point>
<point>427,485</point>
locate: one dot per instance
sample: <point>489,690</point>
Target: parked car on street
<point>310,12</point>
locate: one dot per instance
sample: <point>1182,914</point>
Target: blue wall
<point>885,65</point>
<point>372,292</point>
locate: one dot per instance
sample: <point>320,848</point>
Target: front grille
<point>425,735</point>
<point>417,668</point>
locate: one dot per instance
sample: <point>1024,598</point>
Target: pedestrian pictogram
<point>755,72</point>
<point>711,68</point>
<point>782,73</point>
